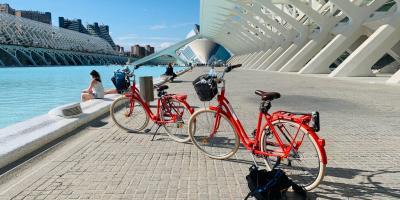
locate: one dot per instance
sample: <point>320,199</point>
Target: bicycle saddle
<point>268,96</point>
<point>162,88</point>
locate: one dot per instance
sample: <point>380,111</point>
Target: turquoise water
<point>26,92</point>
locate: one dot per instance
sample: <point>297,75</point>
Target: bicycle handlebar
<point>226,70</point>
<point>229,68</point>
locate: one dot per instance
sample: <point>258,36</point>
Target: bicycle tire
<point>119,109</point>
<point>315,179</point>
<point>177,130</point>
<point>231,145</point>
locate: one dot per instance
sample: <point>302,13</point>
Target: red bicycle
<point>131,113</point>
<point>285,139</point>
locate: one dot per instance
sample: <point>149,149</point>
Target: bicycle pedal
<point>147,130</point>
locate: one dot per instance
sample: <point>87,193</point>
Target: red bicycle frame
<point>225,108</point>
<point>161,103</point>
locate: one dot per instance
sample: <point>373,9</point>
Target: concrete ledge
<point>21,139</point>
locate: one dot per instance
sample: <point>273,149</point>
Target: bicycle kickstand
<point>149,129</point>
<point>254,160</point>
<point>155,132</point>
<point>278,162</point>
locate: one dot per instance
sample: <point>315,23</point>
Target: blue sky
<point>155,22</point>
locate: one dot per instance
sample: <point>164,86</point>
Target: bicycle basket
<point>206,88</point>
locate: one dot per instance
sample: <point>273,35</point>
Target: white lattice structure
<point>307,36</point>
<point>42,44</point>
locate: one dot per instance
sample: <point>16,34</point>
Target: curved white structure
<point>306,36</point>
<point>203,49</point>
<point>28,42</point>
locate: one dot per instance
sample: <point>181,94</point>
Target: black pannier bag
<point>270,185</point>
<point>206,87</point>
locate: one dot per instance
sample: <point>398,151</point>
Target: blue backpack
<point>120,81</point>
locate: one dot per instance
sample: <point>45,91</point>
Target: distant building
<point>44,17</point>
<point>73,25</point>
<point>101,31</point>
<point>7,9</point>
<point>119,49</point>
<point>140,52</point>
<point>149,50</point>
<point>135,50</point>
<point>127,53</point>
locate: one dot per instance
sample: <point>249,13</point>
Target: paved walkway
<point>360,123</point>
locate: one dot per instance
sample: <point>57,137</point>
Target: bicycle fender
<point>320,144</point>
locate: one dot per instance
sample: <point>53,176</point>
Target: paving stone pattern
<point>359,121</point>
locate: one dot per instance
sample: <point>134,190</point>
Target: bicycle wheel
<point>222,144</point>
<point>176,129</point>
<point>133,122</point>
<point>305,166</point>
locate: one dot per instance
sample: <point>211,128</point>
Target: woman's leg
<point>111,91</point>
<point>86,97</point>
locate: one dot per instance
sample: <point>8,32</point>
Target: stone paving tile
<point>360,123</point>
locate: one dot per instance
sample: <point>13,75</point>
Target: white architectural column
<point>395,79</point>
<point>342,41</point>
<point>271,58</point>
<point>316,44</point>
<point>282,59</point>
<point>250,57</point>
<point>264,56</point>
<point>249,63</point>
<point>335,48</point>
<point>367,54</point>
<point>292,45</point>
<point>265,34</point>
<point>304,55</point>
<point>381,41</point>
<point>255,15</point>
<point>229,61</point>
<point>236,60</point>
<point>244,58</point>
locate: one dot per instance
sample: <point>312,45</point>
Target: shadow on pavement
<point>366,189</point>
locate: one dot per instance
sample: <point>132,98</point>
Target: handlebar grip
<point>229,68</point>
<point>236,66</point>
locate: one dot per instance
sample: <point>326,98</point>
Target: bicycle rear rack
<point>313,122</point>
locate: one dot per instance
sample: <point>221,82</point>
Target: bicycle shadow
<point>368,188</point>
<point>342,183</point>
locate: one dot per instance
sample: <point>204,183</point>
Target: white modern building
<point>339,38</point>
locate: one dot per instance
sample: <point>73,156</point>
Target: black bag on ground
<point>270,185</point>
<point>206,87</point>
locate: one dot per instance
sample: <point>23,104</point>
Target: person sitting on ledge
<point>95,90</point>
<point>170,71</point>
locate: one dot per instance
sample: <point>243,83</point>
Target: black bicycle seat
<point>268,96</point>
<point>162,88</point>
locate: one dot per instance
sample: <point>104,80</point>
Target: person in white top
<point>95,90</point>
